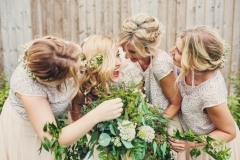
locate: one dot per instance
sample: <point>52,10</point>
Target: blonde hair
<point>53,61</point>
<point>143,32</point>
<point>203,49</point>
<point>91,77</point>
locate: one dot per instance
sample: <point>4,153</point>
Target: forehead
<point>179,44</point>
<point>128,46</point>
<point>114,48</point>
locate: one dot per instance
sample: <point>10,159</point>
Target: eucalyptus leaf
<point>127,144</point>
<point>112,129</point>
<point>104,139</point>
<point>93,137</point>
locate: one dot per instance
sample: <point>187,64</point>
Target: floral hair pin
<point>226,48</point>
<point>22,60</point>
<point>94,63</point>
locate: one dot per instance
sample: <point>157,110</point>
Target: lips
<point>116,73</point>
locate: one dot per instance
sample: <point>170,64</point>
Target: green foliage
<point>74,152</point>
<point>213,147</point>
<point>137,111</point>
<point>234,98</point>
<point>4,90</point>
<point>110,143</point>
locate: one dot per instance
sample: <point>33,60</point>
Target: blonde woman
<point>140,39</point>
<point>102,67</point>
<point>42,87</point>
<point>201,53</point>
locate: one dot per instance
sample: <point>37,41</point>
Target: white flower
<point>127,130</point>
<point>146,133</point>
<point>116,141</point>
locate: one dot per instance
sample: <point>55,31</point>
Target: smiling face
<point>131,52</point>
<point>176,52</point>
<point>118,62</point>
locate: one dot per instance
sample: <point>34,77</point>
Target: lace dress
<point>193,115</point>
<point>160,67</point>
<point>18,140</point>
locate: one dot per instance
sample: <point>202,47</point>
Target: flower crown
<point>94,63</point>
<point>23,60</point>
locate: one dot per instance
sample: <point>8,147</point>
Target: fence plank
<point>163,18</point>
<point>190,14</point>
<point>99,14</point>
<point>218,14</point>
<point>74,21</point>
<point>83,20</point>
<point>228,26</point>
<point>181,16</point>
<point>90,17</point>
<point>36,18</point>
<point>200,12</point>
<point>171,25</point>
<point>116,19</point>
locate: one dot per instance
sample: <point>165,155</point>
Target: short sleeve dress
<point>159,68</point>
<point>195,99</point>
<point>18,139</point>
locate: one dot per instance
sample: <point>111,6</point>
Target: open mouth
<point>116,73</point>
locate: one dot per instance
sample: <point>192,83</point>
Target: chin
<point>115,79</point>
<point>177,64</point>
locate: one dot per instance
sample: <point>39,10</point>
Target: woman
<point>201,52</point>
<point>140,39</point>
<point>42,87</point>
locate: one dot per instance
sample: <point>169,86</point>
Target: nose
<point>127,55</point>
<point>118,61</point>
<point>172,50</point>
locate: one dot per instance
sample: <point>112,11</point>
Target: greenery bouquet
<point>140,132</point>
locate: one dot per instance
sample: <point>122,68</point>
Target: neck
<point>144,62</point>
<point>200,76</point>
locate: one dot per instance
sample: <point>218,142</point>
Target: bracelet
<point>195,144</point>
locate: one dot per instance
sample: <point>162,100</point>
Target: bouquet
<point>140,133</point>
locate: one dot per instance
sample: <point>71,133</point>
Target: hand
<point>180,145</point>
<point>109,109</point>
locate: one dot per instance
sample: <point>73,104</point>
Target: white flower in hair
<point>161,28</point>
<point>22,60</point>
<point>226,48</point>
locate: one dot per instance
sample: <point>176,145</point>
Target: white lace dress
<point>160,67</point>
<point>193,115</point>
<point>18,140</point>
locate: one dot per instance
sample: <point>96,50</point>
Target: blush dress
<point>195,99</point>
<point>18,139</point>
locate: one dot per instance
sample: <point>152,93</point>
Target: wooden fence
<point>22,20</point>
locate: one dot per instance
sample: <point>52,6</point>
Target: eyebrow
<point>177,48</point>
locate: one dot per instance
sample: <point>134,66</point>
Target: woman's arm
<point>171,91</point>
<point>225,128</point>
<point>224,122</point>
<point>39,113</point>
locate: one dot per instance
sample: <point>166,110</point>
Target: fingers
<point>116,100</point>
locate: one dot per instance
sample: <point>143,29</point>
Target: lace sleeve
<point>162,67</point>
<point>214,92</point>
<point>22,84</point>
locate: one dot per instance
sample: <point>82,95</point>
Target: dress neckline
<point>184,80</point>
